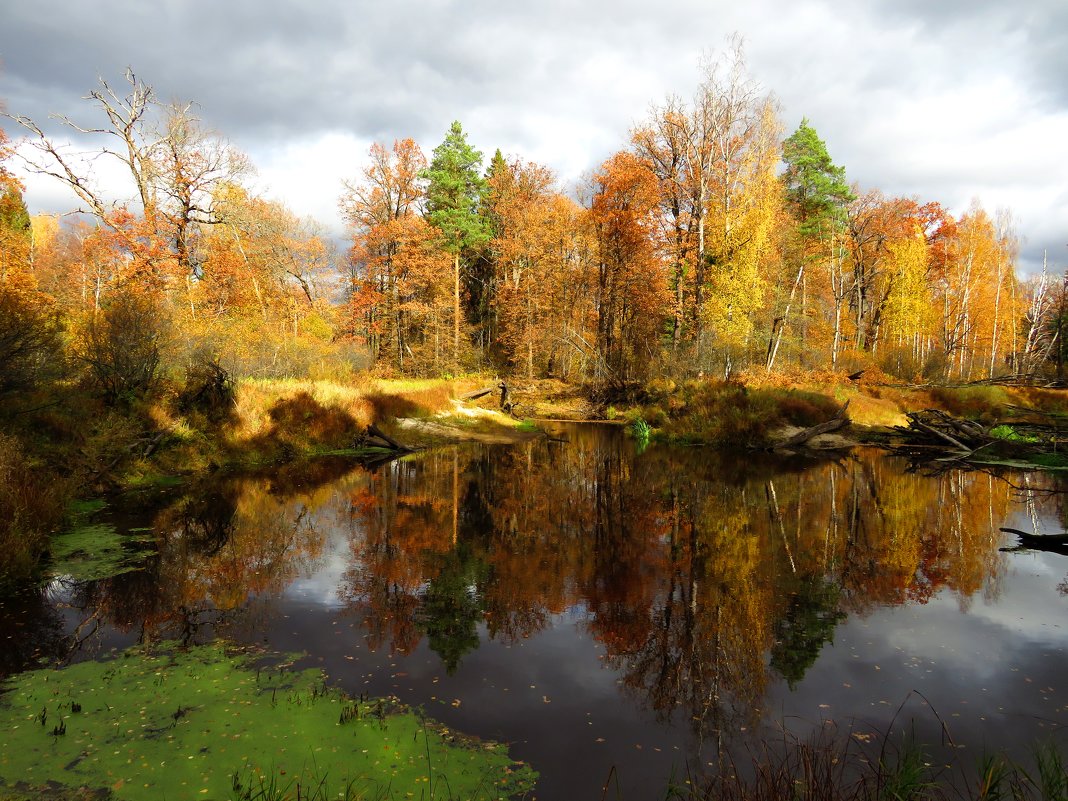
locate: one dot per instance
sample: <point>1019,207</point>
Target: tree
<point>30,344</point>
<point>816,195</point>
<point>740,245</point>
<point>528,225</point>
<point>816,188</point>
<point>631,281</point>
<point>123,345</point>
<point>173,163</point>
<point>382,209</point>
<point>715,159</point>
<point>454,191</point>
<point>663,143</point>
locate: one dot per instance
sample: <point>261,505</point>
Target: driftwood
<point>1027,537</point>
<point>374,437</point>
<point>933,426</point>
<point>1053,543</point>
<point>476,394</point>
<point>800,438</point>
<point>966,441</point>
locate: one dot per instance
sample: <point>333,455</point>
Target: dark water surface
<point>614,616</point>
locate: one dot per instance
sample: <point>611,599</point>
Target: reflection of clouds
<point>1030,604</point>
<point>321,585</point>
<point>988,672</point>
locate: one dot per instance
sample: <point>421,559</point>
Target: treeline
<point>709,245</point>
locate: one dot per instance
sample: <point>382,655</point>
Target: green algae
<point>208,723</point>
<point>94,551</point>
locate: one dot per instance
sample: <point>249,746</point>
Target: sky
<point>941,100</point>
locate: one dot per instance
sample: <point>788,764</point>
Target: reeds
<point>829,767</point>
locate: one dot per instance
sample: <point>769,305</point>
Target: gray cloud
<point>944,100</point>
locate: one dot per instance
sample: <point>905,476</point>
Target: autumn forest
<point>711,243</point>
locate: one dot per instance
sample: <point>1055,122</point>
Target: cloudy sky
<point>945,100</point>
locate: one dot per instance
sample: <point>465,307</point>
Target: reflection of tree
<point>401,518</point>
<point>702,575</point>
<point>451,608</point>
<point>217,546</point>
<point>805,626</point>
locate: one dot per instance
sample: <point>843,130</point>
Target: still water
<point>615,616</point>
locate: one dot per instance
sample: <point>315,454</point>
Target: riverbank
<point>71,445</point>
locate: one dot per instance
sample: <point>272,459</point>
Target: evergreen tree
<point>816,187</point>
<point>454,193</point>
<point>481,273</point>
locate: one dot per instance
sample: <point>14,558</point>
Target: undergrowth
<point>732,414</point>
<point>833,767</point>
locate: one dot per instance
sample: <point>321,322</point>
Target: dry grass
<point>255,398</point>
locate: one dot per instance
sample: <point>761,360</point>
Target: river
<point>614,614</point>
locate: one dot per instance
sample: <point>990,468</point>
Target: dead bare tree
<point>174,164</point>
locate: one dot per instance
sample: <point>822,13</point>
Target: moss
<point>1010,434</point>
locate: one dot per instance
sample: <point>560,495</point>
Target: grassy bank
<point>749,411</point>
<point>69,443</point>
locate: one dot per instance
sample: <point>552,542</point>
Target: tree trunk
<point>456,311</point>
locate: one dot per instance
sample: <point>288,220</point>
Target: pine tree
<point>816,187</point>
<point>454,194</point>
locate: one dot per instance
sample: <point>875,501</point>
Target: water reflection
<point>702,574</point>
<point>703,577</point>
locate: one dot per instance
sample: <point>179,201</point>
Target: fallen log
<point>1051,543</point>
<point>917,423</point>
<point>375,437</point>
<point>1027,537</point>
<point>838,421</point>
<point>476,394</point>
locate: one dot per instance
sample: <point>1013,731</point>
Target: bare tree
<point>174,164</point>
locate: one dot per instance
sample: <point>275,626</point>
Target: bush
<point>123,345</point>
<point>209,388</point>
<point>732,414</point>
<point>31,506</point>
<point>30,348</point>
<point>976,403</point>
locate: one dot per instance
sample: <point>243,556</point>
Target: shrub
<point>31,505</point>
<point>209,388</point>
<point>977,403</point>
<point>732,414</point>
<point>30,347</point>
<point>123,344</point>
